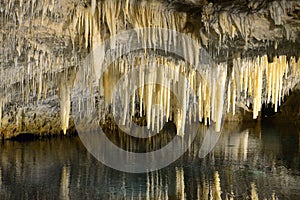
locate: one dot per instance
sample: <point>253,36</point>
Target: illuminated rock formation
<point>253,45</point>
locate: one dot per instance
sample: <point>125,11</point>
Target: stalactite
<point>65,103</point>
<point>220,92</point>
<point>233,94</point>
<point>229,96</point>
<point>93,7</point>
<point>257,88</point>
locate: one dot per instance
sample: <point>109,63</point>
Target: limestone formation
<point>254,46</point>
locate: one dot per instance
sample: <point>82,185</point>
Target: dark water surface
<point>258,162</point>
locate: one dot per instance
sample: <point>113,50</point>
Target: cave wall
<point>43,43</point>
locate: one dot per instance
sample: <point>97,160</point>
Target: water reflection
<point>247,163</point>
<point>65,183</point>
<point>180,193</point>
<point>254,195</point>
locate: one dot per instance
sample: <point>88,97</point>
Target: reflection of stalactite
<point>254,195</point>
<point>216,192</point>
<point>65,183</point>
<point>274,197</point>
<point>148,187</point>
<point>180,190</point>
<point>243,147</point>
<point>230,196</point>
<point>203,193</point>
<point>0,178</point>
<point>154,186</point>
<point>233,145</point>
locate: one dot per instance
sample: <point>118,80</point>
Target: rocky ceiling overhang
<point>57,26</point>
<point>41,39</point>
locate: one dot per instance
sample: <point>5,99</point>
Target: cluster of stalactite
<point>204,94</point>
<point>29,67</point>
<point>256,81</point>
<point>250,24</point>
<point>113,16</point>
<point>183,93</point>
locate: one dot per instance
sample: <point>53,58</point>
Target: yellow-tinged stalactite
<point>65,103</point>
<point>250,79</point>
<point>257,88</point>
<point>112,9</point>
<point>273,79</point>
<point>200,102</point>
<point>245,67</point>
<point>263,81</point>
<point>127,7</point>
<point>269,82</point>
<point>277,75</point>
<point>283,73</point>
<point>93,7</point>
<point>87,28</point>
<point>241,69</point>
<point>219,95</point>
<point>139,15</point>
<point>233,95</point>
<point>229,96</point>
<point>207,106</point>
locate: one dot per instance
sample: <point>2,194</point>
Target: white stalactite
<point>65,103</point>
